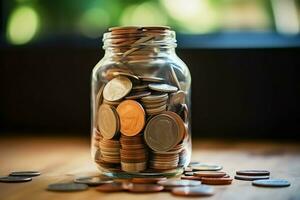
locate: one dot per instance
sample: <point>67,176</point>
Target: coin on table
<point>67,187</point>
<point>202,190</point>
<point>252,172</point>
<point>144,188</point>
<point>93,180</point>
<point>148,180</point>
<point>162,87</point>
<point>211,174</point>
<point>138,95</point>
<point>153,133</point>
<point>206,167</point>
<point>117,88</point>
<point>216,181</point>
<point>111,187</point>
<point>25,173</point>
<point>108,121</point>
<point>132,117</point>
<point>14,179</point>
<point>250,178</point>
<point>196,178</point>
<point>171,183</point>
<point>151,79</point>
<point>272,183</point>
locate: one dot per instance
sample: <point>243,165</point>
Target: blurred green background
<point>26,21</point>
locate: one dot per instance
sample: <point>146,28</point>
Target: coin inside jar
<point>108,121</point>
<point>162,87</point>
<point>117,88</point>
<point>162,142</point>
<point>132,117</point>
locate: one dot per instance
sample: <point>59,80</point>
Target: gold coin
<point>117,88</point>
<point>132,117</point>
<point>108,121</point>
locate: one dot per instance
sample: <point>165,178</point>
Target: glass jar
<point>140,104</point>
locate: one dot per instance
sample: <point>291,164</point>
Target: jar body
<point>141,114</point>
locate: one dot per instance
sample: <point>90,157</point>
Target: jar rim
<point>134,36</point>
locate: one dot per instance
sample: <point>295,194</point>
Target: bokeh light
<point>93,21</point>
<point>194,16</point>
<point>22,26</point>
<point>144,14</point>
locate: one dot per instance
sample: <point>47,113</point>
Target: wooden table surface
<point>62,159</point>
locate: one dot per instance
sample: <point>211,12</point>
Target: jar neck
<point>129,44</point>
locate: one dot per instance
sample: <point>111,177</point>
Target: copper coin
<point>111,187</point>
<point>216,181</point>
<point>196,178</point>
<point>148,180</point>
<point>132,117</point>
<point>253,172</point>
<point>108,121</point>
<point>145,188</point>
<point>117,88</point>
<point>210,174</point>
<point>250,178</point>
<point>202,190</point>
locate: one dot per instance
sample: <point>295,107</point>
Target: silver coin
<point>178,183</point>
<point>162,87</point>
<point>250,178</point>
<point>14,179</point>
<point>206,167</point>
<point>67,187</point>
<point>272,183</point>
<point>202,190</point>
<point>25,173</point>
<point>93,180</point>
<point>151,79</point>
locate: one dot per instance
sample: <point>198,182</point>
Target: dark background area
<point>236,93</point>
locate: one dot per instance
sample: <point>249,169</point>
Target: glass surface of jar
<point>140,101</point>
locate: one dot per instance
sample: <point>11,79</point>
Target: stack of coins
<point>133,153</point>
<point>108,155</point>
<point>155,104</point>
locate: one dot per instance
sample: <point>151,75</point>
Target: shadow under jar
<point>140,104</point>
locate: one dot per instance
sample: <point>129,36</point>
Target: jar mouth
<point>138,36</point>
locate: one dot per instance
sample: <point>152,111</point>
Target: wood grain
<point>62,159</point>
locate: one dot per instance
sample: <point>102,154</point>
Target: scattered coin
<point>196,178</point>
<point>250,178</point>
<point>202,190</point>
<point>210,174</point>
<point>67,187</point>
<point>216,181</point>
<point>162,87</point>
<point>253,172</point>
<point>25,173</point>
<point>14,179</point>
<point>272,183</point>
<point>108,121</point>
<point>144,188</point>
<point>206,167</point>
<point>93,180</point>
<point>148,180</point>
<point>132,117</point>
<point>111,187</point>
<point>117,88</point>
<point>171,183</point>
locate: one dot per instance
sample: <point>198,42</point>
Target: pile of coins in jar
<point>140,123</point>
